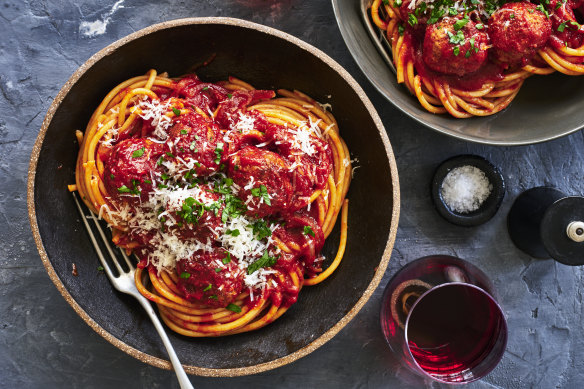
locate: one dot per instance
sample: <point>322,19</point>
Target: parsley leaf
<point>233,308</point>
<point>185,275</point>
<point>176,111</point>
<point>261,230</point>
<point>218,152</point>
<point>264,261</point>
<point>412,20</point>
<point>262,192</point>
<point>208,287</point>
<point>308,231</point>
<point>233,207</point>
<point>461,23</point>
<point>457,38</point>
<point>138,153</point>
<point>232,232</point>
<point>227,259</point>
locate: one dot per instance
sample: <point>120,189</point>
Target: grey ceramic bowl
<point>266,58</point>
<point>547,107</point>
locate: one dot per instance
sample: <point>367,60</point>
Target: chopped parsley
<point>457,38</point>
<point>169,154</point>
<point>541,8</point>
<point>233,207</point>
<point>264,261</point>
<point>205,88</point>
<point>124,189</point>
<point>461,23</point>
<point>185,275</point>
<point>437,14</point>
<point>192,210</point>
<point>233,232</point>
<point>412,20</point>
<point>183,132</point>
<point>262,192</point>
<point>138,153</point>
<point>176,111</point>
<point>160,160</point>
<point>233,308</point>
<point>193,145</point>
<point>100,268</point>
<point>218,152</point>
<point>308,231</point>
<point>261,230</point>
<point>229,95</point>
<point>480,26</point>
<point>218,269</point>
<point>208,287</point>
<point>227,259</point>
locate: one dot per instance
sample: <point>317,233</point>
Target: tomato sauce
<point>264,172</point>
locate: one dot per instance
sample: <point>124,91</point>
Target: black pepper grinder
<point>544,222</point>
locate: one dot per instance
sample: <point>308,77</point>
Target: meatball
<point>195,213</point>
<point>266,185</point>
<point>517,31</point>
<point>309,171</point>
<point>455,46</point>
<point>212,278</point>
<point>129,169</point>
<point>197,141</point>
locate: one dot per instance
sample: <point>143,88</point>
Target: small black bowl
<point>489,207</point>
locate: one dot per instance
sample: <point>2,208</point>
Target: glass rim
<point>406,326</point>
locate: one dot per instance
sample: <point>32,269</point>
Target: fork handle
<point>183,379</point>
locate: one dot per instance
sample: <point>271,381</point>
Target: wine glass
<point>440,317</point>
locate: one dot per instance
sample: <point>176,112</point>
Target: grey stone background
<point>43,344</point>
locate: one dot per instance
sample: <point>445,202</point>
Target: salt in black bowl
<point>487,209</point>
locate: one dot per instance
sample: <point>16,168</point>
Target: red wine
<point>452,330</point>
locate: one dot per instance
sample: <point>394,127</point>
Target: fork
<point>125,284</point>
<point>378,37</point>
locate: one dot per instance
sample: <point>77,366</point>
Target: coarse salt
<point>465,189</point>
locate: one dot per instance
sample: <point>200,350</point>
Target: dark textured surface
<point>44,344</point>
<point>256,58</point>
